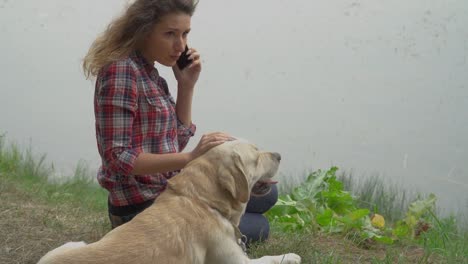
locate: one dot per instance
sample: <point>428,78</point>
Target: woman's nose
<point>180,45</point>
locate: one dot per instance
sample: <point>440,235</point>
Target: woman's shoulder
<point>127,64</point>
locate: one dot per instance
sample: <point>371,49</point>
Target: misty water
<point>373,87</point>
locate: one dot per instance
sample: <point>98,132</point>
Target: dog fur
<point>193,221</point>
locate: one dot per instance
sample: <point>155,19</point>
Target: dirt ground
<point>29,227</point>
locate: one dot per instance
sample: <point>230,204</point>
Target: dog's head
<point>223,177</point>
<point>241,165</point>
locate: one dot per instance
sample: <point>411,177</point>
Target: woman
<point>140,130</point>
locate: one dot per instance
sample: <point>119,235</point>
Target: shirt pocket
<point>153,99</point>
<point>157,114</point>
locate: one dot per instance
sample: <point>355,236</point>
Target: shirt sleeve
<point>116,101</point>
<point>184,133</point>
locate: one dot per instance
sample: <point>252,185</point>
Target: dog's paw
<point>291,258</point>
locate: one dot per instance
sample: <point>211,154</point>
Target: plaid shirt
<point>134,113</point>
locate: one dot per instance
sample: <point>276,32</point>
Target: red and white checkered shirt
<point>134,113</point>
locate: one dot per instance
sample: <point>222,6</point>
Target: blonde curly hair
<point>125,33</point>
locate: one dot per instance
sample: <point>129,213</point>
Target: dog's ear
<point>234,179</point>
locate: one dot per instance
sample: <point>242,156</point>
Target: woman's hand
<point>187,77</point>
<point>209,141</point>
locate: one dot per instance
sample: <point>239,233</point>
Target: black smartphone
<point>184,60</point>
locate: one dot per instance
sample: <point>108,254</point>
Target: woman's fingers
<point>209,141</point>
<point>218,135</point>
<point>213,144</point>
<point>193,54</point>
<point>195,63</point>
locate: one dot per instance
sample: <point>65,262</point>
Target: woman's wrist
<point>185,88</point>
<point>189,157</point>
<point>184,105</point>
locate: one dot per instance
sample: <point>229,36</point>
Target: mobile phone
<point>184,60</point>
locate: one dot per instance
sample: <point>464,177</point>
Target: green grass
<point>33,175</point>
<point>37,214</point>
<point>379,196</point>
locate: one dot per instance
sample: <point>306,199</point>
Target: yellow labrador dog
<point>194,221</point>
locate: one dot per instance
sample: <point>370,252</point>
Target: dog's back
<point>173,230</point>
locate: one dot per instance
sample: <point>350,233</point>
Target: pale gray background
<point>371,86</point>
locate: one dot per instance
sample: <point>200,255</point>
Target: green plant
<point>415,221</point>
<point>379,195</point>
<point>321,203</point>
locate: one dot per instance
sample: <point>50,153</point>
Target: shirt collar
<point>149,67</point>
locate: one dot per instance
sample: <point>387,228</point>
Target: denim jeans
<point>254,225</point>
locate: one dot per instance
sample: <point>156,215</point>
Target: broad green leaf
<point>420,207</point>
<point>315,183</point>
<point>401,230</point>
<point>383,239</point>
<point>358,214</point>
<point>325,218</point>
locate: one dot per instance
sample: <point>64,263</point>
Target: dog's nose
<point>276,155</point>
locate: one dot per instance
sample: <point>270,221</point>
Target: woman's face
<point>167,40</point>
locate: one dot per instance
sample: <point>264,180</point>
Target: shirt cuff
<point>184,131</point>
<point>126,161</point>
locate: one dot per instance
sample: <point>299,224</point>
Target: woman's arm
<point>184,105</point>
<point>186,80</point>
<point>148,163</point>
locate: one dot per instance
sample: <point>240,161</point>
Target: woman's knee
<point>255,227</point>
<point>262,201</point>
